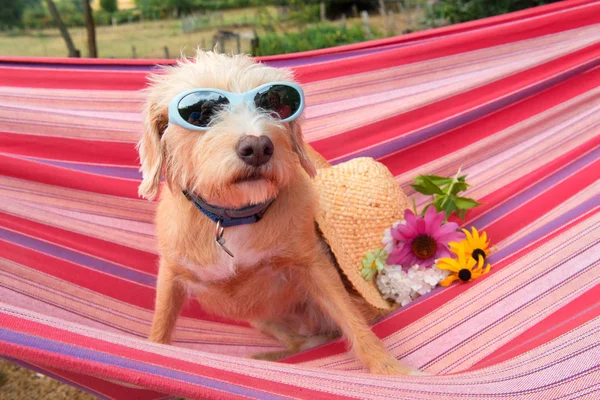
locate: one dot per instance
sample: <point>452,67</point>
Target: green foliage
<point>445,193</point>
<point>163,8</point>
<point>12,11</point>
<point>37,17</point>
<point>102,17</point>
<point>456,11</point>
<point>315,37</point>
<point>71,12</point>
<point>109,6</point>
<point>303,12</point>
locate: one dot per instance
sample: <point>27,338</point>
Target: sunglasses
<point>195,109</point>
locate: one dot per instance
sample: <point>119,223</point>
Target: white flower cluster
<point>405,286</point>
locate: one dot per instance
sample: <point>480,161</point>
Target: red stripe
<point>69,149</point>
<point>410,315</point>
<point>515,187</point>
<point>391,128</point>
<point>470,41</point>
<point>548,329</point>
<point>113,252</point>
<point>106,388</point>
<point>62,177</point>
<point>73,339</point>
<point>72,79</point>
<point>150,381</point>
<point>103,62</point>
<point>448,142</point>
<point>519,218</point>
<point>108,285</point>
<point>99,282</point>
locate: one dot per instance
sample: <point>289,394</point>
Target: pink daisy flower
<point>422,240</point>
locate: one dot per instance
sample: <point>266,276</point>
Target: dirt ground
<point>17,383</point>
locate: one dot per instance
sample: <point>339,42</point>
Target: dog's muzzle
<point>255,151</point>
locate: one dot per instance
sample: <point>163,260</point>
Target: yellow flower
<point>464,268</point>
<point>474,245</point>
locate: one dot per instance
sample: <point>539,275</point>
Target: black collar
<point>229,216</point>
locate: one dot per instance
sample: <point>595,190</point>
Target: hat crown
<point>358,200</point>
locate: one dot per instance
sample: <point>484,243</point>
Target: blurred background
<point>167,28</point>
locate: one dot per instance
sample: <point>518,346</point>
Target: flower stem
<point>449,193</point>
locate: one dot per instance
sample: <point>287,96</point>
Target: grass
<point>148,37</point>
<point>22,384</point>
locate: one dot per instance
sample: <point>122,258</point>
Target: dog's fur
<point>282,280</point>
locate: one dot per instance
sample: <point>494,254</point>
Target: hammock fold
<point>513,100</point>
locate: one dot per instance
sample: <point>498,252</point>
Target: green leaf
<point>420,189</point>
<point>466,203</point>
<point>438,203</point>
<point>436,180</point>
<point>458,187</point>
<point>418,180</point>
<point>428,183</point>
<point>449,207</point>
<point>427,187</point>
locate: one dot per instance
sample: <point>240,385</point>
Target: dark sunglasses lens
<point>281,100</point>
<point>199,108</point>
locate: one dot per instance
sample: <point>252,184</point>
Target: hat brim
<point>358,200</point>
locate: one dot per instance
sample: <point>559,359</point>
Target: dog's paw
<point>159,339</point>
<point>393,367</point>
<point>417,372</point>
<point>271,355</point>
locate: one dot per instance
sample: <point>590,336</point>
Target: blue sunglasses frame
<point>234,99</point>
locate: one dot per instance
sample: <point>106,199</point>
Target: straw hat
<point>358,200</point>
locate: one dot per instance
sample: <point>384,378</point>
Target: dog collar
<point>227,217</point>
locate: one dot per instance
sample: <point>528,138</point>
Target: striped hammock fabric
<point>514,100</point>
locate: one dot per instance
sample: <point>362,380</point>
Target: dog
<point>275,272</point>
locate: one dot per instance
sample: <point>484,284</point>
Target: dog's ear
<point>150,151</point>
<point>298,147</point>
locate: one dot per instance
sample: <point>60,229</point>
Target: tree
<point>73,52</point>
<point>91,29</point>
<point>11,12</point>
<point>109,5</point>
<point>457,11</point>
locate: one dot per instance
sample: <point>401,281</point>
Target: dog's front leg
<point>329,293</point>
<point>170,295</point>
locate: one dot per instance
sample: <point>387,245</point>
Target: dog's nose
<point>255,151</point>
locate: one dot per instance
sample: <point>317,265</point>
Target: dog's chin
<point>240,193</point>
<point>256,191</point>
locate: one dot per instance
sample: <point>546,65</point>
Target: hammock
<point>514,100</point>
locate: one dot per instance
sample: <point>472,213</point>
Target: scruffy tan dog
<point>281,277</point>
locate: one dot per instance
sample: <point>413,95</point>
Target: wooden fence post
<point>366,27</point>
